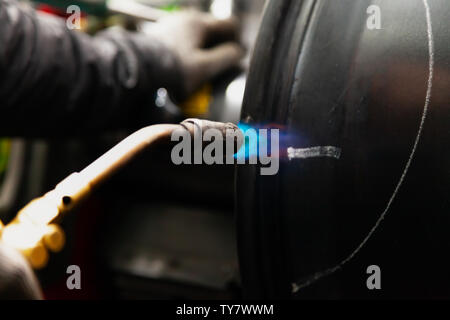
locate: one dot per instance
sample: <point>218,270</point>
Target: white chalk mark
<point>317,276</point>
<point>314,152</point>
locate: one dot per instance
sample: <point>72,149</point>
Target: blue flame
<point>251,146</point>
<point>252,143</point>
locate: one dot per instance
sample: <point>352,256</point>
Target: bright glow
<point>249,148</point>
<point>235,91</point>
<point>222,9</point>
<point>161,97</point>
<point>40,211</point>
<point>22,236</point>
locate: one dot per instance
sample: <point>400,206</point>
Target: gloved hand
<point>204,45</point>
<point>17,279</point>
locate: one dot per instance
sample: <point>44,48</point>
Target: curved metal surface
<point>331,81</point>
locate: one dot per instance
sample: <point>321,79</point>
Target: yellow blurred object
<point>33,233</point>
<point>55,238</point>
<point>34,240</point>
<point>27,238</point>
<point>37,256</point>
<point>198,104</point>
<point>84,22</point>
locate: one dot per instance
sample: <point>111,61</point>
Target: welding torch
<point>35,232</point>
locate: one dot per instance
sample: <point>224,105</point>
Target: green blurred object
<point>171,7</point>
<point>5,146</point>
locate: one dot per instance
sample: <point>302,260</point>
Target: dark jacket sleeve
<point>54,79</point>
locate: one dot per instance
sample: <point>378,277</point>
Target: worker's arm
<point>52,78</point>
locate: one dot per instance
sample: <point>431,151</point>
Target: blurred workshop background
<point>156,230</point>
